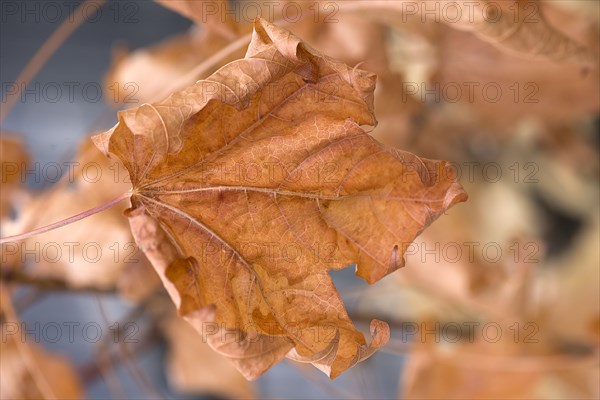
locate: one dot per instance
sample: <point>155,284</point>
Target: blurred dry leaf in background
<point>209,14</point>
<point>193,367</point>
<point>502,369</point>
<point>141,75</point>
<point>54,377</point>
<point>14,160</point>
<point>101,251</point>
<point>27,370</point>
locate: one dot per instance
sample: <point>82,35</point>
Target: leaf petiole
<point>66,221</point>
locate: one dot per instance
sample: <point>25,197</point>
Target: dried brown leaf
<point>310,181</point>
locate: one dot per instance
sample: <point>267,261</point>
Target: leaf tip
<point>101,141</point>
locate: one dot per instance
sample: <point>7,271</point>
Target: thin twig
<point>106,370</point>
<point>126,356</point>
<point>90,371</point>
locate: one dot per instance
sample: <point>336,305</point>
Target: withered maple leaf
<point>251,184</point>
